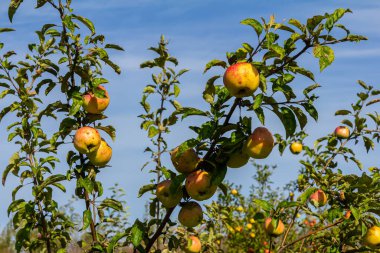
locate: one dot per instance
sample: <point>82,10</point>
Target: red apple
<point>318,198</point>
<point>94,104</point>
<point>193,245</point>
<point>271,230</point>
<point>165,196</point>
<point>342,132</point>
<point>191,214</point>
<point>259,144</point>
<point>86,140</point>
<point>198,185</point>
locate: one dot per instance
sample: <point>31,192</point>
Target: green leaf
<point>110,130</point>
<point>310,88</point>
<point>3,30</point>
<point>209,92</point>
<point>111,203</point>
<point>325,55</point>
<point>113,242</point>
<point>287,204</point>
<point>258,101</point>
<point>311,110</point>
<point>153,131</point>
<point>51,180</point>
<point>260,115</point>
<point>254,24</point>
<point>137,233</point>
<point>342,112</point>
<point>303,198</point>
<point>189,111</point>
<point>214,63</point>
<point>146,188</point>
<point>218,175</point>
<point>355,213</point>
<point>86,22</point>
<point>87,219</point>
<point>113,46</point>
<point>374,101</point>
<point>41,3</point>
<point>289,121</point>
<point>13,6</point>
<point>265,205</point>
<point>314,21</point>
<point>334,17</point>
<point>302,119</point>
<point>297,24</point>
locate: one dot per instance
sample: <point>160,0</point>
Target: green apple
<point>185,162</point>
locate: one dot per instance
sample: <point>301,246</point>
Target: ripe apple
<point>191,214</point>
<point>167,198</point>
<point>186,162</point>
<point>342,132</point>
<point>372,237</point>
<point>259,144</point>
<point>241,79</point>
<point>198,185</point>
<point>234,192</point>
<point>347,215</point>
<point>96,105</point>
<point>239,229</point>
<point>238,159</point>
<point>193,245</point>
<point>101,156</point>
<point>252,220</point>
<point>296,147</point>
<point>271,230</point>
<point>318,198</point>
<point>249,226</point>
<point>252,235</point>
<point>87,139</point>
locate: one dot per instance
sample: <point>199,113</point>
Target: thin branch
<point>159,230</point>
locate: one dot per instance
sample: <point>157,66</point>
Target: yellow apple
<point>342,132</point>
<point>238,159</point>
<point>296,147</point>
<point>241,79</point>
<point>252,235</point>
<point>372,237</point>
<point>86,140</point>
<point>234,192</point>
<point>252,220</point>
<point>96,105</point>
<point>101,156</point>
<point>259,144</point>
<point>239,229</point>
<point>271,230</point>
<point>198,185</point>
<point>167,198</point>
<point>240,209</point>
<point>318,198</point>
<point>185,162</point>
<point>193,245</point>
<point>191,214</point>
<point>249,226</point>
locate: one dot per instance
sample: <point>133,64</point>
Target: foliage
<point>65,65</point>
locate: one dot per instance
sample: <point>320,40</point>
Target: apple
<point>198,185</point>
<point>241,79</point>
<point>271,230</point>
<point>191,214</point>
<point>347,215</point>
<point>102,155</point>
<point>234,192</point>
<point>193,245</point>
<point>252,220</point>
<point>372,237</point>
<point>165,196</point>
<point>239,229</point>
<point>259,144</point>
<point>185,162</point>
<point>318,198</point>
<point>296,147</point>
<point>249,226</point>
<point>238,159</point>
<point>252,235</point>
<point>342,132</point>
<point>240,209</point>
<point>86,140</point>
<point>96,105</point>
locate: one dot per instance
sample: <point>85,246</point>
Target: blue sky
<point>198,31</point>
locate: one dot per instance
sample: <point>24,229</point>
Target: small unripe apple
<point>240,209</point>
<point>241,79</point>
<point>259,144</point>
<point>271,230</point>
<point>249,226</point>
<point>101,156</point>
<point>96,105</point>
<point>193,245</point>
<point>372,237</point>
<point>86,140</point>
<point>185,162</point>
<point>191,214</point>
<point>252,235</point>
<point>234,192</point>
<point>342,132</point>
<point>252,220</point>
<point>198,185</point>
<point>318,198</point>
<point>296,148</point>
<point>165,196</point>
<point>238,159</point>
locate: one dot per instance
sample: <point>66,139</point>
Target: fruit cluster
<point>87,140</point>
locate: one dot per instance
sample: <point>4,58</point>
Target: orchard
<point>55,97</point>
